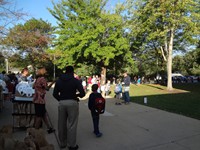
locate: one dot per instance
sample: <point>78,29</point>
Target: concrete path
<point>128,127</point>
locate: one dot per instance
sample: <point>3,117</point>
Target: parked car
<point>178,78</point>
<point>192,79</point>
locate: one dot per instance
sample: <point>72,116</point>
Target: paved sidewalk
<point>128,127</point>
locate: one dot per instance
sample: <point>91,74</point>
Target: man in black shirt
<point>67,90</point>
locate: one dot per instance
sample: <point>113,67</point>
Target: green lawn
<point>185,99</point>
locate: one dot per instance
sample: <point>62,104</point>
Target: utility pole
<point>54,68</point>
<point>6,60</point>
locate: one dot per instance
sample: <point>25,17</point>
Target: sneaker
<point>117,103</point>
<point>73,148</point>
<point>99,135</point>
<point>63,146</point>
<point>50,130</point>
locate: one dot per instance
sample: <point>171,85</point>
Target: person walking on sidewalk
<point>65,91</point>
<point>39,100</point>
<point>126,87</point>
<point>118,92</point>
<point>91,106</point>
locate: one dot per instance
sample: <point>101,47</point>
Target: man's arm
<point>81,90</point>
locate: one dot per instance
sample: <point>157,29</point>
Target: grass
<point>184,99</point>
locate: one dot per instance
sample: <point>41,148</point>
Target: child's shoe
<point>99,134</point>
<point>73,148</point>
<point>50,130</point>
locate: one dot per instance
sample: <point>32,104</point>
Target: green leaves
<point>88,33</point>
<point>164,25</point>
<point>30,40</point>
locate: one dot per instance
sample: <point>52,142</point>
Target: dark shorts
<point>40,110</point>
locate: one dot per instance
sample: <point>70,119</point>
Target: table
<point>23,112</point>
<point>3,94</point>
<point>1,101</point>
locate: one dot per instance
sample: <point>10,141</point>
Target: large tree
<point>9,15</point>
<point>179,65</point>
<point>30,40</point>
<point>187,64</point>
<point>191,62</point>
<point>168,24</point>
<point>198,53</point>
<point>2,62</point>
<point>88,34</point>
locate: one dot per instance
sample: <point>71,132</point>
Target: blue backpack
<point>118,89</point>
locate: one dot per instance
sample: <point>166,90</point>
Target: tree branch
<point>163,53</point>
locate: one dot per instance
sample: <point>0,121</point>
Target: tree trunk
<point>169,61</point>
<point>103,75</point>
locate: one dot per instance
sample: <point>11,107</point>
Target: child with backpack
<point>118,92</point>
<point>96,104</point>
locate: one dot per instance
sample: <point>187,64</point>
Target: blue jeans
<point>126,96</point>
<point>95,119</point>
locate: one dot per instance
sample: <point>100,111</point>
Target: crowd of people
<point>69,87</point>
<point>67,91</point>
<point>11,80</point>
<point>104,87</point>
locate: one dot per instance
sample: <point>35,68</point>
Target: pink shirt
<point>40,90</point>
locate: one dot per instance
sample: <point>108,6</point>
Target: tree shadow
<point>154,86</point>
<point>192,87</point>
<point>184,103</point>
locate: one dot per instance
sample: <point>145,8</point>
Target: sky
<point>38,8</point>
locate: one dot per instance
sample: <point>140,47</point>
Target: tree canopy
<point>88,34</point>
<point>30,40</point>
<point>165,25</point>
<point>8,16</point>
<point>139,36</point>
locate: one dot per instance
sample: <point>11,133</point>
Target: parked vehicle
<point>178,78</point>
